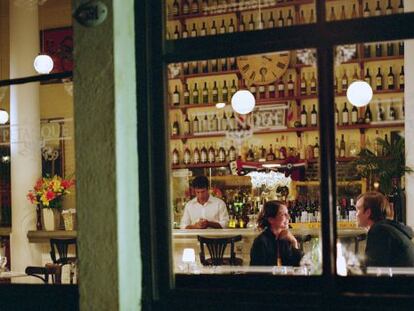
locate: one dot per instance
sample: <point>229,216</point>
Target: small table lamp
<point>188,257</point>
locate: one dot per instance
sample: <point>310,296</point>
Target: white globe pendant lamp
<point>4,116</point>
<point>43,64</point>
<point>359,93</point>
<point>243,102</point>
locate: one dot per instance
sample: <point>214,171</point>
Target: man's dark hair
<point>200,182</point>
<point>378,204</point>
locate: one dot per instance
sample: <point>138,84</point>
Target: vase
<point>50,219</point>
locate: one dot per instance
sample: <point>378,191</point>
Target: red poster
<point>58,44</point>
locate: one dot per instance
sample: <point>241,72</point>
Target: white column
<point>409,119</point>
<point>24,133</point>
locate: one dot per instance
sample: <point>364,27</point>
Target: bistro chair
<point>216,248</point>
<point>61,246</point>
<point>44,272</point>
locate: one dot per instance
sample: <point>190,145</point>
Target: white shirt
<point>213,210</point>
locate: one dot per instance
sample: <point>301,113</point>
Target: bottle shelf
<point>393,91</point>
<point>200,165</point>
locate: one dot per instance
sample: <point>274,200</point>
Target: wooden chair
<point>216,248</point>
<point>43,273</point>
<point>61,246</point>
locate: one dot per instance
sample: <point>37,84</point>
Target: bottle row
<point>381,49</point>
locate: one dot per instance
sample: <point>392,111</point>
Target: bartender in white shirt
<point>204,211</point>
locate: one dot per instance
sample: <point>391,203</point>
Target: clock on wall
<point>264,68</point>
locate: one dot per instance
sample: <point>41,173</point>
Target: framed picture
<point>58,44</point>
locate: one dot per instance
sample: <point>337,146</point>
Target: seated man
<point>388,242</point>
<point>204,211</point>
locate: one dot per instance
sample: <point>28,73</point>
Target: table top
<point>199,269</point>
<point>11,274</point>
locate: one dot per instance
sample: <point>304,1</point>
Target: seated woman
<point>275,246</point>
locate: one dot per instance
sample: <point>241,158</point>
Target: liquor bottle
<point>289,19</point>
<point>222,27</point>
<point>203,30</point>
<point>281,88</point>
<point>232,122</point>
<point>196,125</point>
<point>214,123</point>
<point>345,115</point>
<point>225,92</point>
<point>368,115</point>
<point>270,156</point>
<point>241,24</point>
<point>204,94</point>
<point>380,113</point>
<point>186,125</point>
<point>336,115</point>
<point>367,77</point>
<point>186,94</point>
<point>280,20</point>
<point>221,154</point>
<point>390,80</point>
<point>186,155</point>
<point>213,29</point>
<point>175,8</point>
<point>205,126</point>
<point>332,16</point>
<point>186,7</point>
<point>204,154</point>
<point>271,90</point>
<point>271,22</point>
<point>196,155</point>
<point>195,94</point>
<point>251,23</point>
<point>314,117</point>
<point>354,12</point>
<point>390,48</point>
<point>344,81</point>
<point>233,88</point>
<point>214,93</point>
<point>401,7</point>
<point>211,155</point>
<point>224,122</point>
<point>355,75</point>
<point>232,153</point>
<point>303,117</point>
<point>392,114</point>
<point>378,9</point>
<point>401,79</point>
<point>184,33</point>
<point>401,48</point>
<point>316,148</point>
<point>262,92</point>
<point>354,115</point>
<point>367,50</point>
<point>193,32</point>
<point>302,19</point>
<point>313,84</point>
<point>303,85</point>
<point>378,80</point>
<point>176,34</point>
<point>343,14</point>
<point>342,148</point>
<point>291,87</point>
<point>231,26</point>
<point>175,127</point>
<point>367,12</point>
<point>175,156</point>
<point>378,49</point>
<point>261,22</point>
<point>176,97</point>
<point>388,9</point>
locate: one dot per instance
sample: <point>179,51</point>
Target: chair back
<point>216,248</point>
<point>61,246</point>
<point>44,272</point>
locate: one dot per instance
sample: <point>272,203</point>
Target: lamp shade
<point>243,102</point>
<point>4,116</point>
<point>43,64</point>
<point>188,255</point>
<point>359,93</point>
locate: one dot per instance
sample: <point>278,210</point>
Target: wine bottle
<point>271,22</point>
<point>302,19</point>
<point>232,153</point>
<point>303,117</point>
<point>175,127</point>
<point>251,23</point>
<point>345,115</point>
<point>186,68</point>
<point>233,88</point>
<point>289,19</point>
<point>232,122</point>
<point>204,93</point>
<point>231,26</point>
<point>214,93</point>
<point>314,116</point>
<point>203,30</point>
<point>343,14</point>
<point>401,7</point>
<point>270,156</point>
<point>367,50</point>
<point>313,84</point>
<point>195,94</point>
<point>303,85</point>
<point>196,155</point>
<point>186,94</point>
<point>316,148</point>
<point>205,126</point>
<point>211,156</point>
<point>280,20</point>
<point>184,33</point>
<point>281,88</point>
<point>368,115</point>
<point>194,67</point>
<point>214,123</point>
<point>311,17</point>
<point>271,90</point>
<point>342,149</point>
<point>223,64</point>
<point>378,80</point>
<point>175,156</point>
<point>390,80</point>
<point>378,9</point>
<point>392,114</point>
<point>354,13</point>
<point>367,77</point>
<point>225,92</point>
<point>213,29</point>
<point>291,87</point>
<point>204,154</point>
<point>194,7</point>
<point>241,24</point>
<point>193,32</point>
<point>175,8</point>
<point>196,125</point>
<point>380,113</point>
<point>378,49</point>
<point>186,7</point>
<point>332,16</point>
<point>354,115</point>
<point>233,64</point>
<point>250,154</point>
<point>390,48</point>
<point>187,155</point>
<point>388,9</point>
<point>224,122</point>
<point>186,125</point>
<point>401,48</point>
<point>355,75</point>
<point>401,79</point>
<point>221,154</point>
<point>367,12</point>
<point>344,82</point>
<point>176,97</point>
<point>261,22</point>
<point>176,34</point>
<point>222,27</point>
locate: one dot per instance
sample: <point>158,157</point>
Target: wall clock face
<point>263,69</point>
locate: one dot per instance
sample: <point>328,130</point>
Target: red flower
<point>50,195</point>
<point>67,183</point>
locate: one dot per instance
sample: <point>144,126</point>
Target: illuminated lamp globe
<point>243,102</point>
<point>4,116</point>
<point>220,105</point>
<point>43,64</point>
<point>359,93</point>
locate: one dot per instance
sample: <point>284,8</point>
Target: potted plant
<point>47,194</point>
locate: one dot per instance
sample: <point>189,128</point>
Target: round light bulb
<point>359,93</point>
<point>220,105</point>
<point>4,116</point>
<point>43,64</point>
<point>243,102</point>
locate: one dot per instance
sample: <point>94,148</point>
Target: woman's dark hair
<point>270,209</point>
<point>378,204</point>
<point>200,182</point>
